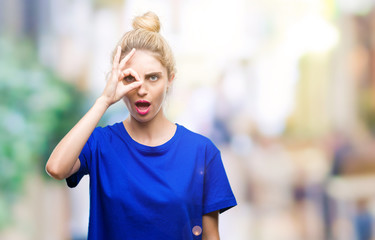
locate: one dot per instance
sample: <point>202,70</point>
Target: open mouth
<point>142,106</point>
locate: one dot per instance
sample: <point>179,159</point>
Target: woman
<point>149,178</point>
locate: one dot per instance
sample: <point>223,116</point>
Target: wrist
<point>102,101</point>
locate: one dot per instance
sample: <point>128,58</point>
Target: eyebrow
<point>153,73</point>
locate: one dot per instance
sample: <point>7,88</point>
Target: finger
<point>126,58</point>
<point>124,89</point>
<point>116,59</point>
<point>121,75</point>
<point>130,71</point>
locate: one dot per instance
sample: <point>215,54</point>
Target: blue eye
<point>154,77</point>
<point>129,78</point>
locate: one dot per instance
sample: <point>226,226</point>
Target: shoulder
<point>102,132</point>
<point>197,139</point>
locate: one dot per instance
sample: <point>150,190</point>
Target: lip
<point>142,106</point>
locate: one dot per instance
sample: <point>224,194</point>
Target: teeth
<point>142,105</point>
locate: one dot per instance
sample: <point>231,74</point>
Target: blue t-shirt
<point>143,192</point>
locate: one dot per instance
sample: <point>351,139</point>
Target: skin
<point>138,76</point>
<point>210,226</point>
<point>154,128</point>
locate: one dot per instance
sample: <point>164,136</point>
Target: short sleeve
<point>85,158</point>
<point>217,193</point>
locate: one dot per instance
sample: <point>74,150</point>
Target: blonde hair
<point>145,36</point>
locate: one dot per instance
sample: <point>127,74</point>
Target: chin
<point>142,119</point>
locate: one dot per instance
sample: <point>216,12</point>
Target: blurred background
<point>285,89</point>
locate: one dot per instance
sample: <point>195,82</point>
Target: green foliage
<point>36,110</point>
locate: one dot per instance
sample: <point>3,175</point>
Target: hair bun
<point>148,21</point>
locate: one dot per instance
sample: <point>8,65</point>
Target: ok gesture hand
<point>115,88</point>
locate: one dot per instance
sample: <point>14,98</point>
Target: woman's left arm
<point>210,225</point>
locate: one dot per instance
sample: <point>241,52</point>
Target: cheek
<point>162,93</point>
<point>126,100</point>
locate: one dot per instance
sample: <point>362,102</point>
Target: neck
<point>152,133</point>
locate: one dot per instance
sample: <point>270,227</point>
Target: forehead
<point>144,61</point>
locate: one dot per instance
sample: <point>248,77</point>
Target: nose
<point>143,89</point>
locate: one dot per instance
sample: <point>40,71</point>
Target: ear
<point>170,80</point>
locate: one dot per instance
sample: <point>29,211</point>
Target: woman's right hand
<point>64,160</point>
<point>115,88</point>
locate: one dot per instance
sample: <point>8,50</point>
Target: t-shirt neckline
<point>146,148</point>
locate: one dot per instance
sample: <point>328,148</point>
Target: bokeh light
<point>197,230</point>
